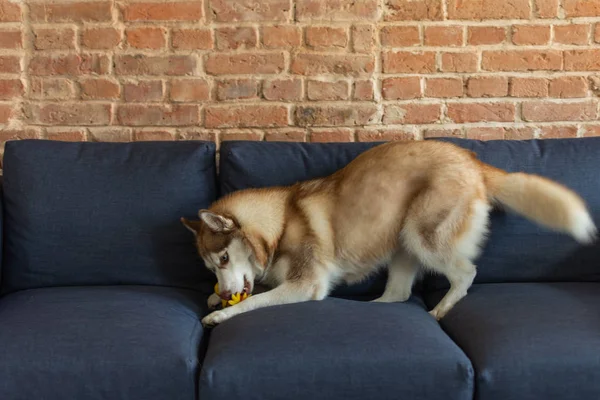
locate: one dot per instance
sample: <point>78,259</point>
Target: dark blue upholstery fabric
<point>530,341</point>
<point>521,251</point>
<point>104,343</point>
<point>104,213</point>
<point>334,349</point>
<point>246,164</point>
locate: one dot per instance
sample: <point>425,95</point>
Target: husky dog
<point>407,205</point>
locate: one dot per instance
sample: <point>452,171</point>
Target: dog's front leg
<point>286,293</point>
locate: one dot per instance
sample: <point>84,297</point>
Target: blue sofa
<point>101,290</point>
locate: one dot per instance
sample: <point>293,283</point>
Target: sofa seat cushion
<point>530,340</point>
<point>119,342</point>
<point>334,349</point>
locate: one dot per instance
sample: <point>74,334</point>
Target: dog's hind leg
<point>460,273</point>
<point>402,271</point>
<point>445,236</point>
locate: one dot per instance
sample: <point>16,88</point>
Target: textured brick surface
<point>298,70</point>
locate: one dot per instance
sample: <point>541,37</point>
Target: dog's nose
<point>225,294</point>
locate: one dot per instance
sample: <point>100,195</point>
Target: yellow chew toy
<point>235,298</point>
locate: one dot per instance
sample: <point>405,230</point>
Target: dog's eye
<point>224,259</point>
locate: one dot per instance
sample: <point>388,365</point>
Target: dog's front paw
<point>214,318</point>
<point>214,301</point>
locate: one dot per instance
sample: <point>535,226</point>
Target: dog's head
<point>233,255</point>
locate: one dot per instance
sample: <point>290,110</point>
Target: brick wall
<point>318,70</point>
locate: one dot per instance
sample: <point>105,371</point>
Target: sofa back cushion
<point>104,213</point>
<point>262,164</point>
<point>519,250</point>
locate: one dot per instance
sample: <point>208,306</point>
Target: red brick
<point>5,113</point>
<point>244,63</point>
<point>443,36</point>
<point>237,89</point>
<point>72,64</point>
<point>488,86</point>
<point>10,88</point>
<point>363,90</point>
<point>558,132</point>
<point>18,134</point>
<point>418,10</point>
<point>245,116</point>
<point>10,11</point>
<point>342,64</point>
<point>531,34</point>
<point>409,62</point>
<point>444,87</point>
<point>163,11</point>
<point>483,9</point>
<point>529,87</point>
<point>98,11</point>
<point>249,10</point>
<point>99,89</point>
<point>363,38</point>
<point>152,135</point>
<point>154,65</point>
<point>597,33</point>
<point>235,38</point>
<point>552,111</point>
<point>100,38</point>
<point>10,64</point>
<point>55,39</point>
<point>412,114</point>
<point>190,90</point>
<point>198,134</point>
<point>157,115</point>
<point>320,90</point>
<point>522,60</point>
<point>568,86</point>
<point>51,88</point>
<point>192,39</point>
<point>146,37</point>
<point>286,136</point>
<point>481,112</point>
<point>582,60</point>
<point>10,39</point>
<point>571,34</point>
<point>401,88</point>
<point>336,115</point>
<point>336,10</point>
<point>110,134</point>
<point>459,62</point>
<point>78,114</point>
<point>143,91</point>
<point>520,133</point>
<point>282,89</point>
<point>591,130</point>
<point>485,133</point>
<point>78,135</point>
<point>384,135</point>
<point>332,135</point>
<point>546,8</point>
<point>399,36</point>
<point>328,38</point>
<point>281,36</point>
<point>440,132</point>
<point>477,35</point>
<point>581,8</point>
<point>252,135</point>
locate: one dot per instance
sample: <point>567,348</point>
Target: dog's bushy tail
<point>545,202</point>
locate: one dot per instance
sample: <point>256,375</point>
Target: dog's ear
<point>215,222</point>
<point>193,226</point>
